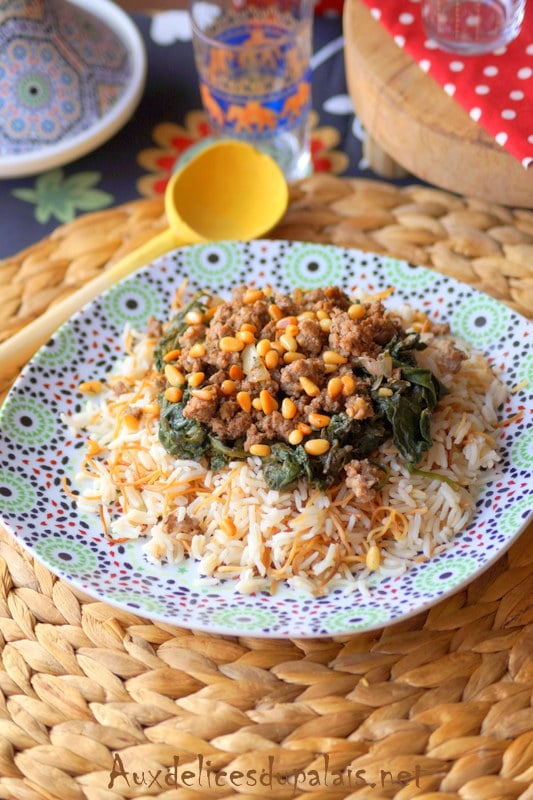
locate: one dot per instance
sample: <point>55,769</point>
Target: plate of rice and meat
<point>274,439</point>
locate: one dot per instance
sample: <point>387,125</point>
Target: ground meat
<point>449,357</point>
<point>173,525</point>
<point>362,478</point>
<point>364,337</point>
<point>302,342</point>
<point>311,368</point>
<point>311,338</point>
<point>154,328</point>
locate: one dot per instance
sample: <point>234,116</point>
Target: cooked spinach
<point>176,328</point>
<point>181,436</point>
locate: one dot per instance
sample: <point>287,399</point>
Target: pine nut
<point>228,387</point>
<point>285,321</point>
<point>271,359</point>
<point>295,437</point>
<point>236,373</point>
<point>288,342</point>
<point>321,314</point>
<point>172,355</point>
<point>173,394</point>
<point>335,388</point>
<point>288,408</point>
<point>204,394</point>
<point>230,344</point>
<point>195,378</point>
<point>349,385</point>
<point>197,350</point>
<point>131,422</point>
<point>174,375</point>
<point>275,312</point>
<point>331,357</point>
<point>245,336</point>
<point>373,558</point>
<point>325,325</point>
<point>248,326</point>
<point>316,447</point>
<point>292,330</point>
<point>309,386</point>
<point>319,420</point>
<point>289,357</point>
<point>90,387</point>
<point>384,391</point>
<point>245,401</point>
<point>262,347</point>
<point>252,296</point>
<point>268,403</point>
<point>304,428</point>
<point>257,404</point>
<point>259,450</point>
<point>357,311</point>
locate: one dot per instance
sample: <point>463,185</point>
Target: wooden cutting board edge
<point>418,125</point>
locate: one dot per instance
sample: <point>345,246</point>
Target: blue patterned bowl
<point>71,74</point>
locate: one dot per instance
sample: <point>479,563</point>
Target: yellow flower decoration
<point>173,140</point>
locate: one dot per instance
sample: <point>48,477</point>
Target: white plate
<point>37,448</point>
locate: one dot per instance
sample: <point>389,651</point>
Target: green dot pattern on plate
<point>480,321</point>
<point>16,493</point>
<point>74,556</point>
<point>445,575</point>
<point>60,350</point>
<point>245,618</point>
<point>514,517</point>
<point>146,603</point>
<point>311,267</point>
<point>29,422</point>
<point>402,276</point>
<point>522,450</point>
<point>525,370</point>
<point>212,262</point>
<point>132,302</point>
<point>353,619</point>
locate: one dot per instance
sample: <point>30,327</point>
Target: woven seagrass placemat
<point>99,704</point>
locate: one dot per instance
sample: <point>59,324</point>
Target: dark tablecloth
<point>137,160</point>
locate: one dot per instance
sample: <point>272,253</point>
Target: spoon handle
<point>20,347</point>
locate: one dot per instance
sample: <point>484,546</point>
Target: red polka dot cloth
<point>495,88</point>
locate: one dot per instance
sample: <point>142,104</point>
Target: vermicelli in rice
<point>315,538</point>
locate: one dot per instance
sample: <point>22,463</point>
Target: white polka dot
<point>475,113</point>
<point>526,163</point>
<point>406,18</point>
<point>524,73</point>
<point>400,40</point>
<point>501,138</point>
<point>516,94</point>
<point>530,139</point>
<point>431,44</point>
<point>376,13</point>
<point>529,50</point>
<point>490,72</point>
<point>482,89</point>
<point>449,88</point>
<point>425,65</point>
<point>508,113</point>
<point>456,66</point>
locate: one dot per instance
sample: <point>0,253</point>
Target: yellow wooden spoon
<point>229,190</point>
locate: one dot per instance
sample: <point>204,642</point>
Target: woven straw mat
<point>99,704</point>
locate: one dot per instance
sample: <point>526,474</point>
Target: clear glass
<point>471,27</point>
<point>253,62</point>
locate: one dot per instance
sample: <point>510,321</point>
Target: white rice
<point>133,484</point>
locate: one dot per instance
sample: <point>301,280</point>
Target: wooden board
<point>418,125</point>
